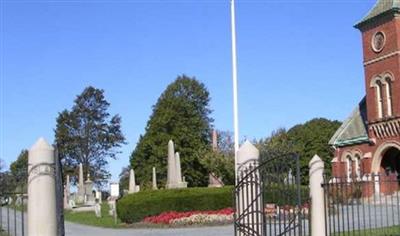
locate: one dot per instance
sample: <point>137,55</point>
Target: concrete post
<point>42,217</point>
<point>250,193</point>
<point>317,196</point>
<point>154,179</point>
<point>132,182</point>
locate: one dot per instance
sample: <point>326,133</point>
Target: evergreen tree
<point>181,114</point>
<point>306,140</point>
<point>88,135</point>
<point>19,170</point>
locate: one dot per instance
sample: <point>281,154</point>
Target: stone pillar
<point>214,140</point>
<point>81,188</point>
<point>67,193</point>
<point>178,171</point>
<point>316,166</point>
<point>132,182</point>
<point>42,217</point>
<point>154,179</point>
<point>171,165</point>
<point>249,193</point>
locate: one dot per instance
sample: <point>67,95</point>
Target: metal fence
<point>367,206</point>
<point>12,214</point>
<point>269,199</point>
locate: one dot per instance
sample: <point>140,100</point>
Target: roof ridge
<point>381,7</point>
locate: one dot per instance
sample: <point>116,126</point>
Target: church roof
<point>354,129</point>
<point>381,7</point>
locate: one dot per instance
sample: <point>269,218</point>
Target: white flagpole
<point>234,80</point>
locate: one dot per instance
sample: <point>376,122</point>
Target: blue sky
<point>297,60</point>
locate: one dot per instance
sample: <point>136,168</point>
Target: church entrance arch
<point>387,158</point>
<point>391,161</point>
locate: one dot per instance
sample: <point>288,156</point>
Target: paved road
<point>78,230</point>
<point>72,229</point>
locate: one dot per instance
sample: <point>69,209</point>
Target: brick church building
<point>368,142</point>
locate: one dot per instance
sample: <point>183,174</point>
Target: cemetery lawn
<point>395,230</point>
<point>89,218</point>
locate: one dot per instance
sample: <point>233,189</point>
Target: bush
<point>135,207</point>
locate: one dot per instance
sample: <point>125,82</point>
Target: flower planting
<point>192,217</point>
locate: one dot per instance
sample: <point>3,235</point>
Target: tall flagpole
<point>234,80</point>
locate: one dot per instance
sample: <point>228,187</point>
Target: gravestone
<point>80,196</point>
<point>154,179</point>
<point>89,197</point>
<point>213,180</point>
<point>67,193</point>
<point>133,188</point>
<point>174,175</point>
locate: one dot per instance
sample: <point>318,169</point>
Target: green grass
<point>2,232</point>
<point>89,218</point>
<point>388,231</point>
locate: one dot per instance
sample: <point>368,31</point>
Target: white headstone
<point>175,179</point>
<point>81,188</point>
<point>171,175</point>
<point>132,182</point>
<point>97,210</point>
<point>154,179</point>
<point>178,174</point>
<point>114,190</point>
<point>42,217</point>
<point>66,193</point>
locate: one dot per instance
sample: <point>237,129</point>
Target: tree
<point>7,183</point>
<point>221,162</point>
<point>181,114</point>
<point>88,135</point>
<point>19,170</point>
<point>306,140</point>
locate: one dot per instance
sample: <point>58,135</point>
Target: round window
<point>378,41</point>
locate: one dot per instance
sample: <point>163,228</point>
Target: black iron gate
<point>269,198</point>
<point>12,214</point>
<point>363,206</point>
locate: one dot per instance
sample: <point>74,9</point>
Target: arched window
<point>379,99</point>
<point>357,165</point>
<point>349,164</point>
<point>377,85</point>
<point>388,85</point>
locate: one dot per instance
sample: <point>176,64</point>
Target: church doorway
<point>391,161</point>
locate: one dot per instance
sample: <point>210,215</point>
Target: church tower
<point>380,30</point>
<point>368,142</point>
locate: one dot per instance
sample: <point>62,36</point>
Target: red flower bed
<point>167,217</point>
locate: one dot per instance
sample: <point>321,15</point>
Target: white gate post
<point>250,193</point>
<point>317,197</point>
<point>42,220</point>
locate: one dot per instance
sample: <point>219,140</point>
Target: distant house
<point>368,142</point>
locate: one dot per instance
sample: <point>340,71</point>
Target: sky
<point>297,60</point>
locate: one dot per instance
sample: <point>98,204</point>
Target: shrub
<point>135,207</point>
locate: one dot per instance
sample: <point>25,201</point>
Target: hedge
<point>135,207</point>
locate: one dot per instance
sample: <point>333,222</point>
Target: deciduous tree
<point>88,134</point>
